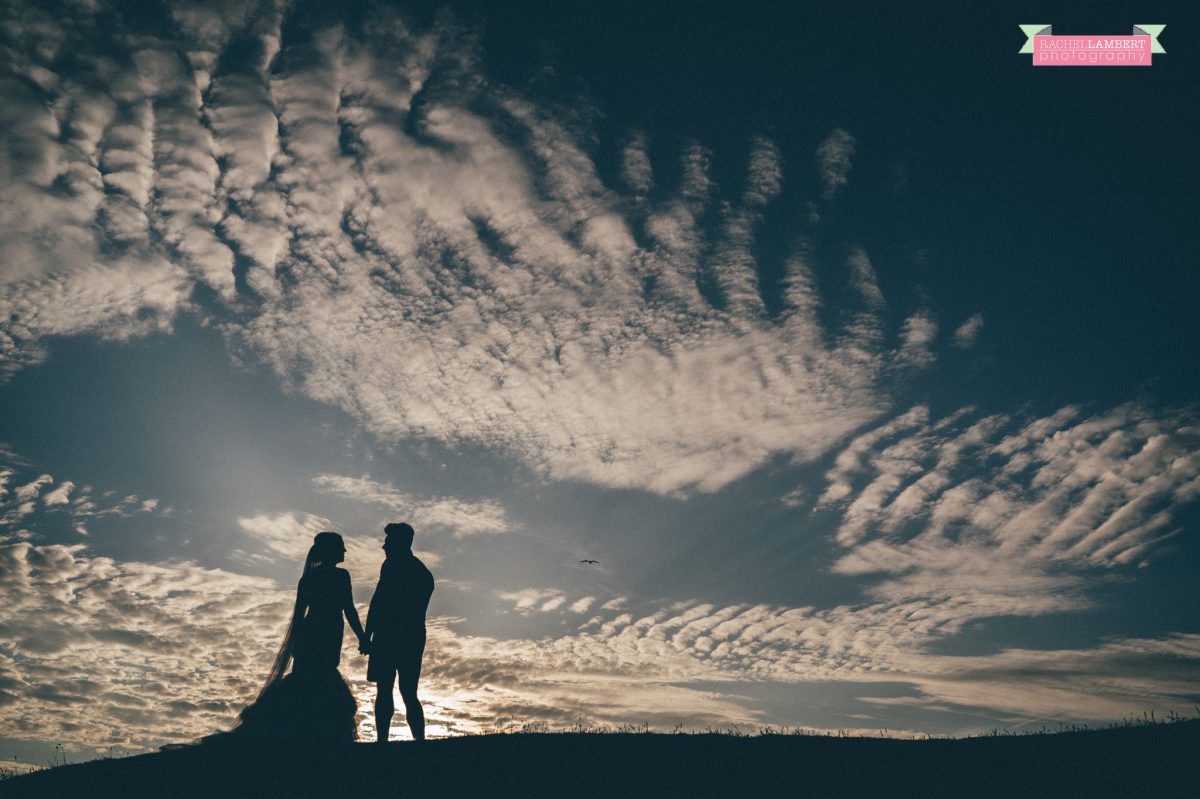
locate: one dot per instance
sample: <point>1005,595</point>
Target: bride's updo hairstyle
<point>326,547</point>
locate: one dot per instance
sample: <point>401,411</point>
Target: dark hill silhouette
<point>1150,760</point>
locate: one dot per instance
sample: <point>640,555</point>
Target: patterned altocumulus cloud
<point>432,252</point>
<point>1011,511</point>
<point>109,653</point>
<point>22,494</point>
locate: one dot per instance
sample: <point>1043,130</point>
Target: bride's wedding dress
<point>312,702</point>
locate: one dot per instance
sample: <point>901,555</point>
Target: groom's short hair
<point>401,531</point>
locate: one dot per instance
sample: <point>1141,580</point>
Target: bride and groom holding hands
<point>312,701</point>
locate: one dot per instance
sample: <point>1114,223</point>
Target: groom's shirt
<point>401,598</point>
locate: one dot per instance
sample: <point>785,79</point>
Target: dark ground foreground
<point>1154,760</point>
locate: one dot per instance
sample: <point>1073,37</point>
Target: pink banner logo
<point>1135,50</point>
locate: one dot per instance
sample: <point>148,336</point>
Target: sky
<point>858,352</point>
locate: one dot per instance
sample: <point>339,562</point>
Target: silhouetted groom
<point>396,630</point>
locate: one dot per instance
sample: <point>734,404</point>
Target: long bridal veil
<point>283,658</point>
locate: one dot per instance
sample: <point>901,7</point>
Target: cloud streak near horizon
<point>85,631</point>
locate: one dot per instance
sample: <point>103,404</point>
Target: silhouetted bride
<point>312,702</point>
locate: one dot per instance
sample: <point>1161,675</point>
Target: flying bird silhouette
<point>589,562</point>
